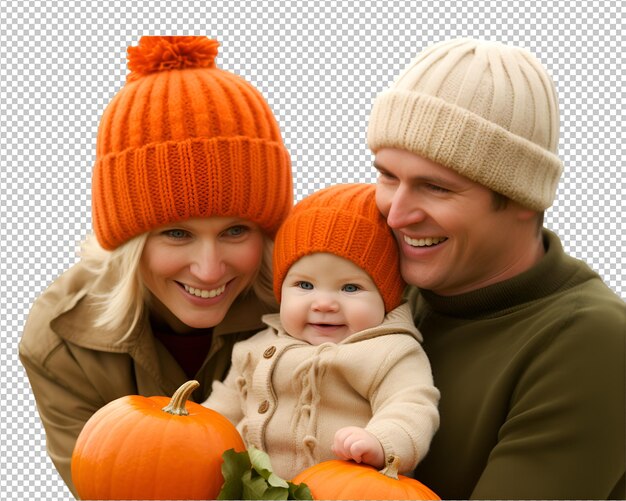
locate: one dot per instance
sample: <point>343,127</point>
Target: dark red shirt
<point>189,350</point>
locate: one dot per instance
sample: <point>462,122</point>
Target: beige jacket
<point>288,397</point>
<point>74,368</point>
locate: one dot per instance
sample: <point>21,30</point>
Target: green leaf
<point>299,491</point>
<point>254,486</point>
<point>233,468</point>
<point>249,475</point>
<point>235,463</point>
<point>276,493</point>
<point>259,459</point>
<point>263,466</point>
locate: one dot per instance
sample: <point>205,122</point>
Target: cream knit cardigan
<point>288,397</point>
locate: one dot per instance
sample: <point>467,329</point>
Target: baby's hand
<point>359,445</point>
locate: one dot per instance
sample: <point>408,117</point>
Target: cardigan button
<point>269,353</point>
<point>264,407</point>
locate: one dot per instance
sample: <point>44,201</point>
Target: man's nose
<point>404,209</point>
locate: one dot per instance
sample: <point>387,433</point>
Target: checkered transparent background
<point>319,64</point>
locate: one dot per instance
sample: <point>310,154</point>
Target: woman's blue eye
<point>177,234</point>
<point>350,288</point>
<point>303,284</point>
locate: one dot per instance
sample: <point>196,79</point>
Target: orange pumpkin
<point>337,479</point>
<point>153,448</point>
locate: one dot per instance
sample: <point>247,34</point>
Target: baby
<point>339,372</point>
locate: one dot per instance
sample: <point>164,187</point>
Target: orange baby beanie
<point>342,220</point>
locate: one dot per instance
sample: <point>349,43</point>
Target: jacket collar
<point>73,313</point>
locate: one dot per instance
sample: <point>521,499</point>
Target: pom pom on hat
<point>342,220</point>
<point>170,53</point>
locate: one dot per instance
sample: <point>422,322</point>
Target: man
<point>527,344</point>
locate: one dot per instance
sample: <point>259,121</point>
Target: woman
<point>190,184</point>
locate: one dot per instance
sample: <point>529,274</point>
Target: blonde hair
<point>123,305</point>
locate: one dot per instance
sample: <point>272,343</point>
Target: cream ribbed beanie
<point>484,109</point>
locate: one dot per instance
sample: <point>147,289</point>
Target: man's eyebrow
<point>434,180</point>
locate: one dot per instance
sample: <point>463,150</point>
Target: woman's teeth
<point>424,242</point>
<point>203,292</point>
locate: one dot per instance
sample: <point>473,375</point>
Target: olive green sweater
<point>532,377</point>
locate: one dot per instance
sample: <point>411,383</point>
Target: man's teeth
<point>205,293</point>
<point>424,242</point>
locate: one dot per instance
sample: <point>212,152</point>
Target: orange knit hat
<point>184,139</point>
<point>342,220</point>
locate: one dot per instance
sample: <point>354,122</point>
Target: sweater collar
<point>554,271</point>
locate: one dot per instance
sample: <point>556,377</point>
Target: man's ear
<point>526,214</point>
<point>523,213</point>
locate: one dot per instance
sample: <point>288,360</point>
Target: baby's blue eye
<point>350,288</point>
<point>303,284</point>
<point>236,231</point>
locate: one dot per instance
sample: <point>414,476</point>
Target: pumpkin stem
<point>179,399</point>
<point>391,470</point>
